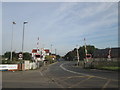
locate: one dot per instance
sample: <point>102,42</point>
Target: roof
<point>47,50</point>
<point>35,50</point>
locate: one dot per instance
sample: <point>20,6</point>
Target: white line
<point>106,83</point>
<point>41,73</point>
<point>83,73</point>
<point>80,82</point>
<point>73,71</point>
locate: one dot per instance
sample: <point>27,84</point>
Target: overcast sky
<point>64,25</point>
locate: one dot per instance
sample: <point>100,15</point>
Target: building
<point>39,55</point>
<point>103,53</point>
<point>36,55</point>
<point>47,51</point>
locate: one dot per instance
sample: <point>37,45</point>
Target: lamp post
<point>23,37</point>
<point>12,40</point>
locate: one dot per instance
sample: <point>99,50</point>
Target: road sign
<point>20,55</point>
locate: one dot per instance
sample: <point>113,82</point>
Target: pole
<point>55,51</point>
<point>43,45</point>
<point>23,37</point>
<point>109,54</point>
<point>77,55</point>
<point>12,40</point>
<point>85,49</point>
<point>51,48</point>
<point>38,45</point>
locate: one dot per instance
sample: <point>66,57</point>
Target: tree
<point>8,55</point>
<point>27,56</point>
<point>49,58</point>
<point>58,56</point>
<point>72,55</point>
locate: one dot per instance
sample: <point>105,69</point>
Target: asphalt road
<point>60,75</point>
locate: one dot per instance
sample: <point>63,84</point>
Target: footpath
<point>28,79</point>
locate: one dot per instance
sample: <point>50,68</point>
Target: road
<point>60,75</point>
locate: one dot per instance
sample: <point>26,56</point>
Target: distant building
<point>103,53</point>
<point>53,56</point>
<point>47,51</point>
<point>39,55</point>
<point>36,55</point>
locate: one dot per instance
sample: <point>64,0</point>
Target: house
<point>39,55</point>
<point>36,55</point>
<point>103,53</point>
<point>47,51</point>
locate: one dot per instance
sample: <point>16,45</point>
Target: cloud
<point>66,24</point>
<point>85,20</point>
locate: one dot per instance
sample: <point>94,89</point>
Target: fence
<point>106,59</point>
<point>26,65</point>
<point>101,62</point>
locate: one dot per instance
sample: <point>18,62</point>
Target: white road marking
<point>73,71</point>
<point>41,73</point>
<point>83,73</point>
<point>107,83</point>
<point>80,82</point>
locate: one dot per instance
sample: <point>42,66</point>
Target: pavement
<point>60,75</point>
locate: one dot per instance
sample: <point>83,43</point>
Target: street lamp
<point>23,37</point>
<point>13,23</point>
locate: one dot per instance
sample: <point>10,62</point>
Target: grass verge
<point>109,68</point>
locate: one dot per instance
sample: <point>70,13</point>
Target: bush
<point>49,58</point>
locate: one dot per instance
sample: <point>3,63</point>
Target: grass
<point>106,65</point>
<point>111,68</point>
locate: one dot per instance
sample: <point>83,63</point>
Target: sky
<point>0,29</point>
<point>62,24</point>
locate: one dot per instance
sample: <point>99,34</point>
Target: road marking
<point>73,71</point>
<point>72,77</point>
<point>84,73</point>
<point>107,83</point>
<point>62,82</point>
<point>41,73</point>
<point>80,82</point>
<point>52,63</point>
<point>75,77</point>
